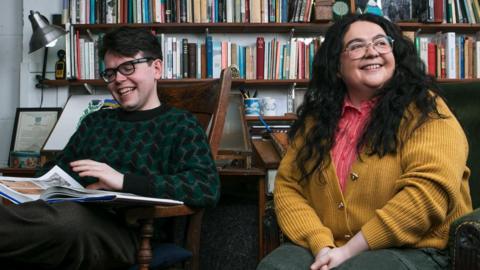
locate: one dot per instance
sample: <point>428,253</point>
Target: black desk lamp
<point>44,35</point>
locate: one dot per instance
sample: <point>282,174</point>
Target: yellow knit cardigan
<point>407,199</point>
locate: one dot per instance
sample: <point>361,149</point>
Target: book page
<point>20,189</point>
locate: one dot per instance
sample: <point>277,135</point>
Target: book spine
<point>450,55</point>
<point>192,60</point>
<point>477,59</point>
<point>216,59</point>
<point>209,48</point>
<point>432,58</point>
<point>185,62</point>
<point>260,57</point>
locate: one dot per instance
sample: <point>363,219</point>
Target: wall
<point>31,64</point>
<point>10,58</point>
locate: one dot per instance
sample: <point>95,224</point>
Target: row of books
<point>450,55</point>
<point>186,11</point>
<point>449,11</point>
<point>273,59</point>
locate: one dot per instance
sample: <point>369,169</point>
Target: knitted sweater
<point>162,152</point>
<point>407,199</point>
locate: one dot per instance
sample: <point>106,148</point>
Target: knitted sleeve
<point>296,217</point>
<point>433,161</point>
<point>192,177</point>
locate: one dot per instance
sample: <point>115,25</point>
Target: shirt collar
<point>365,106</point>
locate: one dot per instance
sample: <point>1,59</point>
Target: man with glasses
<point>144,147</point>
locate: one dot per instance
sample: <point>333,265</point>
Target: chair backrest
<point>208,101</point>
<point>464,100</point>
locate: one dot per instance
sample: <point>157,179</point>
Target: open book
<point>56,186</point>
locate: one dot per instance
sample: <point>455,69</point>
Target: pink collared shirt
<point>350,128</point>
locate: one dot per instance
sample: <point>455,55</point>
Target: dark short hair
<point>128,41</point>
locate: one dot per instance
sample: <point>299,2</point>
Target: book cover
<point>57,186</point>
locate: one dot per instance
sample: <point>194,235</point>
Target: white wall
<point>10,58</point>
<point>18,68</point>
<point>31,64</point>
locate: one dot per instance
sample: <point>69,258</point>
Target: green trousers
<point>292,257</point>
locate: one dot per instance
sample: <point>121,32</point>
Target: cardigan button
<point>354,176</point>
<point>341,206</point>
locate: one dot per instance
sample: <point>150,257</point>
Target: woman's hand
<point>328,258</point>
<point>108,178</point>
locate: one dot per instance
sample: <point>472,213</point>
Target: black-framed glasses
<point>125,68</point>
<point>358,49</point>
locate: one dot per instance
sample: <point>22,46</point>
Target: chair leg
<point>144,255</point>
<point>193,241</point>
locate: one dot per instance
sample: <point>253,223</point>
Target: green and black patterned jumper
<point>162,152</point>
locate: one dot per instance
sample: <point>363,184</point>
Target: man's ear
<point>157,65</point>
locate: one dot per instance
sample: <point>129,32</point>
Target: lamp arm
<point>41,78</point>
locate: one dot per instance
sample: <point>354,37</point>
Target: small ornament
<point>373,8</point>
<point>340,9</point>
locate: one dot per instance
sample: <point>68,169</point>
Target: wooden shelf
<point>439,27</point>
<point>302,28</point>
<point>286,117</point>
<point>459,81</point>
<point>235,82</point>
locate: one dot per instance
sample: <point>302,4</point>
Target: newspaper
<point>57,186</point>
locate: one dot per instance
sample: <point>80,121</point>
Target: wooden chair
<point>208,101</point>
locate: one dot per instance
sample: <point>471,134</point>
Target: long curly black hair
<point>324,98</point>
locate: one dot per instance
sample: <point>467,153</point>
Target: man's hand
<point>108,178</point>
<point>328,258</point>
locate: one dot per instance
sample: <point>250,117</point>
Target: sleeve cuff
<point>137,185</point>
<point>376,234</point>
<point>317,243</point>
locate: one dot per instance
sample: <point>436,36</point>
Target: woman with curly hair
<point>376,168</point>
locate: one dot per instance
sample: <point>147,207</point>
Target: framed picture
<point>32,127</point>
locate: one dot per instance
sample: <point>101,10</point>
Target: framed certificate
<point>32,127</point>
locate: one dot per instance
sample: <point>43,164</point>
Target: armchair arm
<point>464,241</point>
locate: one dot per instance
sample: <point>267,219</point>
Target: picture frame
<point>32,127</point>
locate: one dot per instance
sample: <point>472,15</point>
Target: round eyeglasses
<point>126,68</point>
<point>358,49</point>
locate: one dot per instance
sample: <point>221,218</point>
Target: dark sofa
<point>464,241</point>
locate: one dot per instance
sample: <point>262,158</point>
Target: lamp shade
<point>43,31</point>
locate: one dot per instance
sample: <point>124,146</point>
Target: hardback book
<point>57,186</point>
<point>260,58</point>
